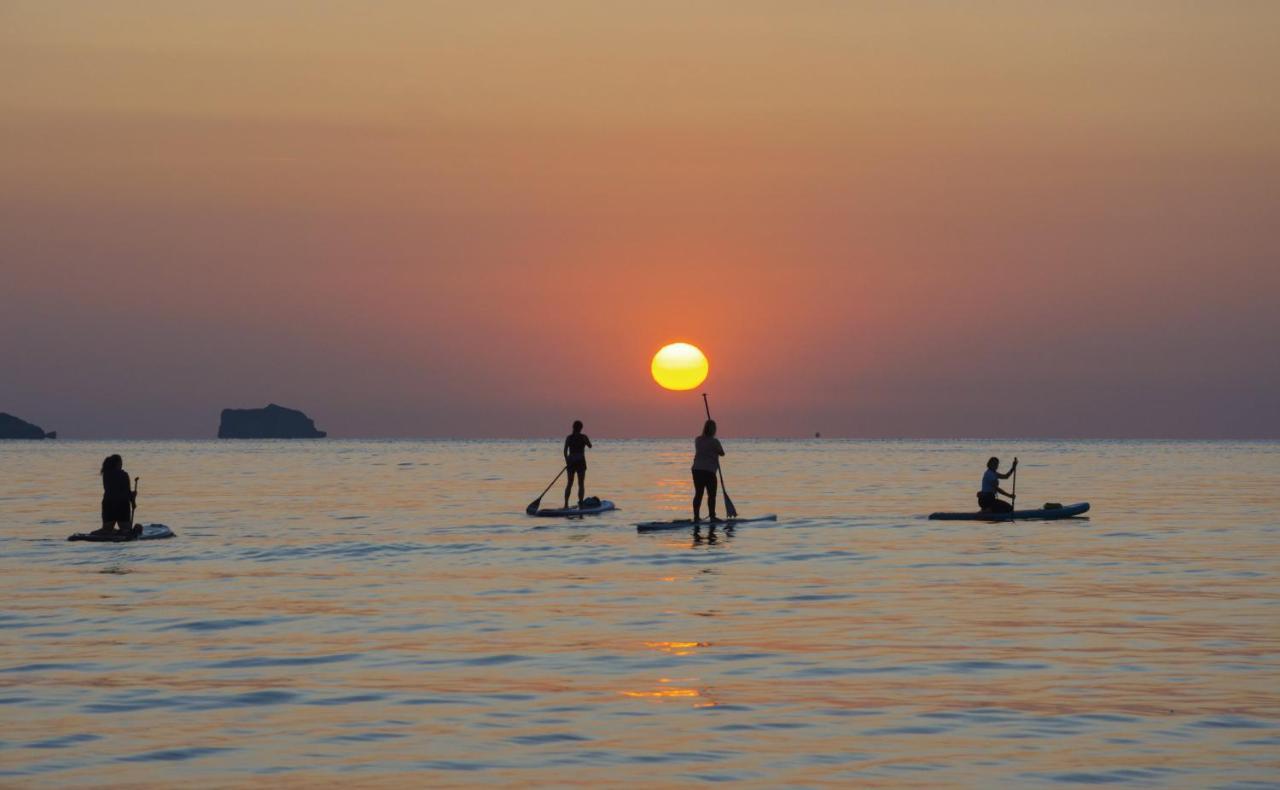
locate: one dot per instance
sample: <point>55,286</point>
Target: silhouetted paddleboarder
<point>706,462</point>
<point>987,501</point>
<point>575,461</point>
<point>117,499</point>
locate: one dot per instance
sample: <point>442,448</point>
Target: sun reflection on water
<point>677,648</point>
<point>664,692</point>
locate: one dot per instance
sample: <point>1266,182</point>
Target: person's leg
<point>116,519</point>
<point>712,485</point>
<point>1001,506</point>
<point>119,519</point>
<point>568,486</point>
<point>106,521</point>
<point>582,484</point>
<point>698,486</point>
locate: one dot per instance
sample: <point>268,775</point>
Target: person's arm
<point>719,448</point>
<point>1009,473</point>
<point>566,449</point>
<point>588,441</point>
<point>1000,490</point>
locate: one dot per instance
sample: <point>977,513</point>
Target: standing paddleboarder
<point>117,499</point>
<point>706,462</point>
<point>987,501</point>
<point>575,461</point>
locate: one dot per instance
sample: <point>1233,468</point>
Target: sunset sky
<point>482,219</point>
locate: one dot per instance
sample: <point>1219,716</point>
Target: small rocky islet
<point>271,422</point>
<point>14,428</point>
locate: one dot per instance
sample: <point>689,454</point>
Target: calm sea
<point>383,613</point>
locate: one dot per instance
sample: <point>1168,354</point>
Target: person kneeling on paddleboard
<point>706,461</point>
<point>987,501</point>
<point>575,460</point>
<point>117,499</point>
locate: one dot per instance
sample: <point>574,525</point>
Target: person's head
<point>709,428</point>
<point>993,463</point>
<point>111,463</point>
<point>577,426</point>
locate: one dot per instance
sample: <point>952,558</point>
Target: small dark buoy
<point>817,435</point>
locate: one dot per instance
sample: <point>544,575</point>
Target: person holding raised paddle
<point>706,463</point>
<point>117,500</point>
<point>987,500</point>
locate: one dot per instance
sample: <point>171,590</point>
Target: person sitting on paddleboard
<point>987,501</point>
<point>575,460</point>
<point>117,498</point>
<point>706,462</point>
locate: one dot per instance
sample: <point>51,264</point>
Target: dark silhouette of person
<point>706,462</point>
<point>575,460</point>
<point>117,499</point>
<point>987,501</point>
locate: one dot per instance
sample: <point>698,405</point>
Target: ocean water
<point>382,613</point>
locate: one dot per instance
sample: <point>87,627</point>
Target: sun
<point>679,366</point>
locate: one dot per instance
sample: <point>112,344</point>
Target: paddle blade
<point>729,508</point>
<point>533,506</point>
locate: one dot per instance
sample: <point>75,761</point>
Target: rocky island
<point>273,422</point>
<point>13,428</point>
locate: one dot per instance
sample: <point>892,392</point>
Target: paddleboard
<point>1042,514</point>
<point>686,523</point>
<point>574,512</point>
<point>149,532</point>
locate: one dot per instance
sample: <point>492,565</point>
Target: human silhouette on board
<point>706,462</point>
<point>575,460</point>
<point>117,500</point>
<point>987,500</point>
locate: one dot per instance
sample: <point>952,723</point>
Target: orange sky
<point>474,219</point>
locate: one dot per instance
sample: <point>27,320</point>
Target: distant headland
<point>13,428</point>
<point>273,422</point>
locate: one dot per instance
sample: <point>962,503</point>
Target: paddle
<point>133,508</point>
<point>1013,495</point>
<point>533,506</point>
<point>728,503</point>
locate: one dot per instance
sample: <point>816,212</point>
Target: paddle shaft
<point>553,481</point>
<point>1013,495</point>
<point>728,503</point>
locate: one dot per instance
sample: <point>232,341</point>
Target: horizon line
<point>454,438</point>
